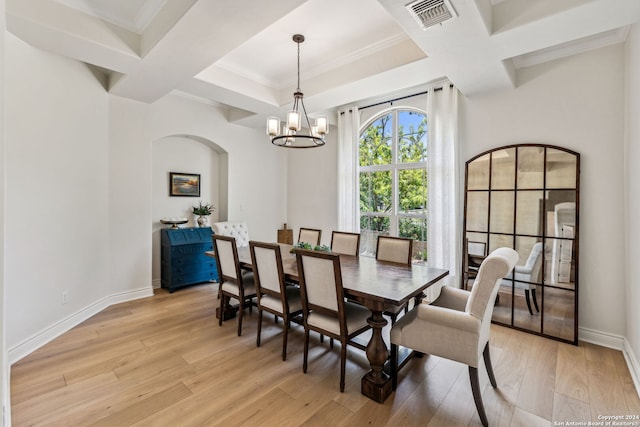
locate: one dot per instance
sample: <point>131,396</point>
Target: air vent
<point>431,12</point>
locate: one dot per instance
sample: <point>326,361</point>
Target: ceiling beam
<point>207,31</point>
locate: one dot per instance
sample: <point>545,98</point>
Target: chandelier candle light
<point>293,134</point>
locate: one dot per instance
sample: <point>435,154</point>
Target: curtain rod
<point>393,100</point>
<point>435,89</point>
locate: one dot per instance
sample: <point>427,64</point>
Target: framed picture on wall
<point>184,184</point>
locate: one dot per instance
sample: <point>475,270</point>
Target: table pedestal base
<point>378,391</point>
<point>376,384</point>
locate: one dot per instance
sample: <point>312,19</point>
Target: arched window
<point>392,169</point>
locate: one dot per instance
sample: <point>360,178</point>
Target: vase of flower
<point>203,210</point>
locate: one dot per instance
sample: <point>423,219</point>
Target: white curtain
<point>348,188</point>
<point>443,191</point>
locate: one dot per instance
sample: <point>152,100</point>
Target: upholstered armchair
<point>237,230</point>
<point>457,324</point>
<point>527,276</point>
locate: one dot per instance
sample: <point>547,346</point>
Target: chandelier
<point>293,135</point>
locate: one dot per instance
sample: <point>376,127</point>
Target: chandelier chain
<point>293,134</point>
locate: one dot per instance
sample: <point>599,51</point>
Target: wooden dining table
<point>376,285</point>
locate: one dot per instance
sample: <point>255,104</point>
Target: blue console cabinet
<point>183,260</point>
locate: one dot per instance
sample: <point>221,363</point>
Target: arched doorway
<point>186,154</point>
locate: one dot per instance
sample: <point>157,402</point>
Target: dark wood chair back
<point>394,249</point>
<point>345,243</point>
<point>268,274</point>
<point>321,285</point>
<point>309,235</point>
<point>227,258</point>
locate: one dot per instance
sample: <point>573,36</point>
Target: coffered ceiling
<point>239,54</point>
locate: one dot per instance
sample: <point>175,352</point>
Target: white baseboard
<point>632,363</point>
<point>156,283</point>
<point>41,338</point>
<point>615,342</point>
<point>604,339</point>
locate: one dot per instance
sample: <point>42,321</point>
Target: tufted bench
<point>237,230</point>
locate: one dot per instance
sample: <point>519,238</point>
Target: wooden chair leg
<point>259,327</point>
<point>240,312</point>
<point>343,363</point>
<point>285,334</point>
<point>477,395</point>
<point>526,296</point>
<point>306,351</point>
<point>489,366</point>
<point>535,300</point>
<point>394,366</point>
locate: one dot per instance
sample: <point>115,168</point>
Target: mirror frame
<point>482,179</point>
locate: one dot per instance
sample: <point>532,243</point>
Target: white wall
<point>4,366</point>
<point>257,170</point>
<point>79,211</point>
<point>254,171</point>
<point>57,216</point>
<point>576,103</point>
<point>129,199</point>
<point>181,154</point>
<point>312,182</point>
<point>633,199</point>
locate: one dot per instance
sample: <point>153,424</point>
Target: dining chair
<point>457,324</point>
<point>235,229</point>
<point>309,235</point>
<point>400,251</point>
<point>233,283</point>
<point>527,276</point>
<point>474,253</point>
<point>324,307</point>
<point>345,243</point>
<point>394,249</point>
<point>273,295</point>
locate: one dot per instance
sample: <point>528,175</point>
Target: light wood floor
<point>164,361</point>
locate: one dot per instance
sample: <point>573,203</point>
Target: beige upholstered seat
<point>233,283</point>
<point>324,307</point>
<point>237,230</point>
<point>400,251</point>
<point>309,235</point>
<point>457,324</point>
<point>345,243</point>
<point>273,295</point>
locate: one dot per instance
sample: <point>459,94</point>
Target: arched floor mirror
<point>527,197</point>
